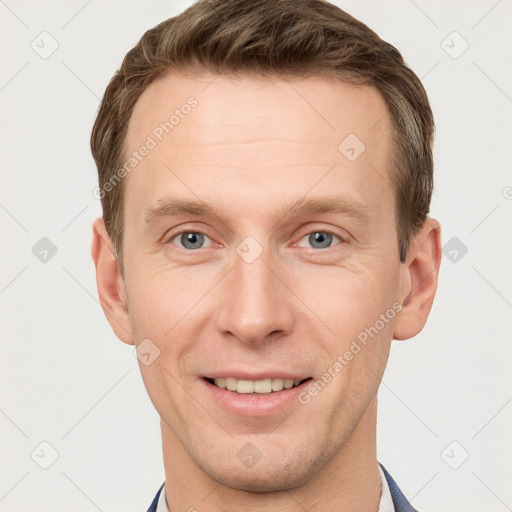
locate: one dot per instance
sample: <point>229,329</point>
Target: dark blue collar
<point>399,500</point>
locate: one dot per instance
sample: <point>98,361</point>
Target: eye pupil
<point>321,238</point>
<point>192,240</point>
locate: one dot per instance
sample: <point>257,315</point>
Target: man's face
<point>261,286</point>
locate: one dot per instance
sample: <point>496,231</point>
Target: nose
<point>255,303</point>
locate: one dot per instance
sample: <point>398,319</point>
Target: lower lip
<point>250,404</point>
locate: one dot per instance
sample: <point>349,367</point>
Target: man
<point>265,169</point>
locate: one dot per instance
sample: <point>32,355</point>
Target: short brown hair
<point>272,38</point>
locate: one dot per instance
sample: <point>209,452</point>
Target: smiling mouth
<point>260,387</point>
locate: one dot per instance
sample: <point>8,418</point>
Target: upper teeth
<point>255,386</point>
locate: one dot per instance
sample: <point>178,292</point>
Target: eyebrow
<point>339,204</point>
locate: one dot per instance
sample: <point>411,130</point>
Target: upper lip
<point>237,374</point>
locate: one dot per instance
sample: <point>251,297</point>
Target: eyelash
<point>341,239</point>
<point>326,231</point>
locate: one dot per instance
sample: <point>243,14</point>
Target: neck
<point>350,481</point>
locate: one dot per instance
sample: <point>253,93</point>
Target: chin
<point>279,473</point>
<point>263,480</point>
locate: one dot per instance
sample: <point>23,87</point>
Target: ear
<point>111,289</point>
<point>419,276</point>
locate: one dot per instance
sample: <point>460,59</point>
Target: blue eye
<point>190,240</point>
<point>320,239</point>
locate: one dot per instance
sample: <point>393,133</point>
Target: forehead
<point>220,130</point>
<point>320,106</point>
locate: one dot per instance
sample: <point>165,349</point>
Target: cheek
<point>149,305</point>
<point>167,306</point>
<point>350,302</point>
<point>347,298</point>
<point>356,303</point>
<point>165,311</point>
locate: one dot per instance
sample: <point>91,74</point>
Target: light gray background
<point>66,380</point>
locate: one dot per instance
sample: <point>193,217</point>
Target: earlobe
<point>419,277</point>
<point>110,284</point>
